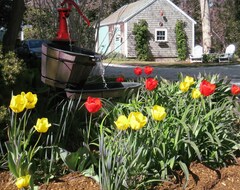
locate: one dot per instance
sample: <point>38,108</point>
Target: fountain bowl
<point>114,90</point>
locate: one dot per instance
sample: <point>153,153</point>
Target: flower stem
<point>33,150</point>
<point>89,128</point>
<point>14,128</point>
<point>24,127</point>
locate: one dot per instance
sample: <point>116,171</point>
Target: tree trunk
<point>206,26</point>
<point>13,26</point>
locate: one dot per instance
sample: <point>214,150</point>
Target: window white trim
<point>161,37</point>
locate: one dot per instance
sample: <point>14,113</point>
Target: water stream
<point>99,64</point>
<point>101,70</point>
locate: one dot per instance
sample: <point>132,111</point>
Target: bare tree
<point>13,26</point>
<point>206,26</point>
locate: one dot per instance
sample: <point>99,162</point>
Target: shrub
<point>181,39</point>
<point>210,58</point>
<point>11,67</point>
<point>142,36</point>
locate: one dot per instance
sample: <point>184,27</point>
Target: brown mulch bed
<point>201,178</point>
<point>204,178</point>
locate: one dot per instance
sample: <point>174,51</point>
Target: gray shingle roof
<point>126,12</point>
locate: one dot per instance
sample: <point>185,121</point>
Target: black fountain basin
<point>63,65</point>
<point>113,90</point>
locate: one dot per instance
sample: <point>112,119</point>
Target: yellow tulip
<point>31,100</point>
<point>23,181</point>
<point>18,103</point>
<point>196,93</point>
<point>189,80</point>
<point>122,122</point>
<point>42,125</point>
<point>158,113</point>
<point>184,86</point>
<point>137,120</point>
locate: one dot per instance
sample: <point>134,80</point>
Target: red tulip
<point>235,89</point>
<point>151,84</point>
<point>148,70</point>
<point>207,88</point>
<point>93,104</point>
<point>119,79</point>
<point>138,71</point>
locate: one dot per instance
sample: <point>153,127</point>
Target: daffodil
<point>122,122</point>
<point>31,100</point>
<point>184,86</point>
<point>18,103</point>
<point>158,113</point>
<point>23,181</point>
<point>189,80</point>
<point>196,93</point>
<point>42,125</point>
<point>137,120</point>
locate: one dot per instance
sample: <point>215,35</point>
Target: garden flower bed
<point>227,178</point>
<point>168,135</point>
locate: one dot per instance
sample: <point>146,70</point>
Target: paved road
<point>171,73</point>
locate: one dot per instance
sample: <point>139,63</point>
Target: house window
<point>118,37</point>
<point>160,35</point>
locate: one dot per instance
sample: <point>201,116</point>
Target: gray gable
<point>128,11</point>
<point>125,12</point>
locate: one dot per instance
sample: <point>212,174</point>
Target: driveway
<point>171,73</point>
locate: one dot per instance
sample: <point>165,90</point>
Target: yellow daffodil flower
<point>122,122</point>
<point>196,93</point>
<point>137,120</point>
<point>31,100</point>
<point>23,181</point>
<point>42,125</point>
<point>189,80</point>
<point>18,103</point>
<point>158,113</point>
<point>184,86</point>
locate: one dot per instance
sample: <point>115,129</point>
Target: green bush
<point>11,68</point>
<point>181,39</point>
<point>142,36</point>
<point>210,58</point>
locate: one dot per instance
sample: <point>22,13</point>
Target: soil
<point>201,178</point>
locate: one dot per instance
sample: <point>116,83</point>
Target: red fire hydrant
<point>63,13</point>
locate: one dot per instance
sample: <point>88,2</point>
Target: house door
<point>103,40</point>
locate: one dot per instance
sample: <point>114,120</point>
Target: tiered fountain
<point>68,67</point>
